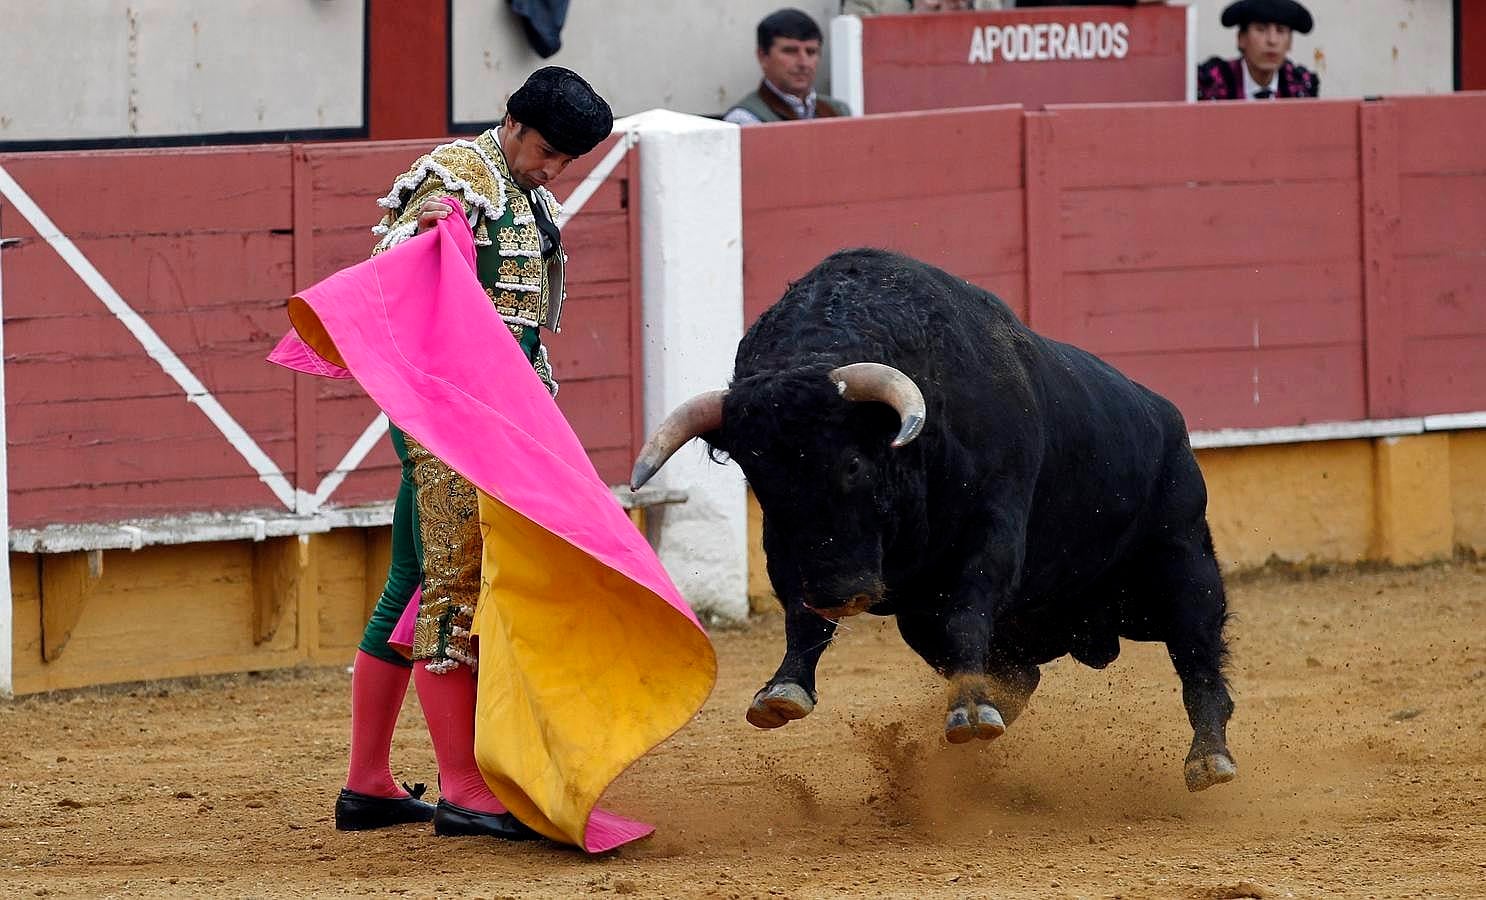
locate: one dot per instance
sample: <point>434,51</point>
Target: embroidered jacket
<point>1222,79</point>
<point>526,287</point>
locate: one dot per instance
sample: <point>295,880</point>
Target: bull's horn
<point>885,384</point>
<point>697,416</point>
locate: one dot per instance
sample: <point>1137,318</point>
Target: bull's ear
<point>696,417</point>
<point>885,384</point>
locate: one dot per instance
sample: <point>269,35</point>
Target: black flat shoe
<point>362,812</point>
<point>456,821</point>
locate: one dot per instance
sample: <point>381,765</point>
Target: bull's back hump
<point>872,293</point>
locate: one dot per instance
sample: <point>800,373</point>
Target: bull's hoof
<point>777,704</point>
<point>1205,771</point>
<point>960,728</point>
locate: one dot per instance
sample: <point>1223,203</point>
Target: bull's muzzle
<point>859,603</point>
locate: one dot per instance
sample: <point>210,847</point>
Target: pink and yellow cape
<point>589,657</point>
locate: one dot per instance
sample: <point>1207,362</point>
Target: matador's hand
<point>430,213</point>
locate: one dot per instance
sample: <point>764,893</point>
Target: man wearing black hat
<point>1264,71</point>
<point>500,181</point>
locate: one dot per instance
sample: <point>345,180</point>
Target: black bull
<point>918,452</point>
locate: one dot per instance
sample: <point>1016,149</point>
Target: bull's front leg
<point>956,643</point>
<point>790,694</point>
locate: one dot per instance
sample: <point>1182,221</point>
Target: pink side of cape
<point>390,318</point>
<point>401,638</point>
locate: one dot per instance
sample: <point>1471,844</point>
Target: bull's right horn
<point>885,384</point>
<point>695,417</point>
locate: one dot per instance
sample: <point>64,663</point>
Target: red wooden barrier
<point>1212,253</point>
<point>200,244</point>
<point>206,246</point>
<point>1440,261</point>
<point>944,187</point>
<point>1260,264</point>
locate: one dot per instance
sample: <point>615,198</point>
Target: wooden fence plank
<point>1441,135</point>
<point>1255,388</point>
<point>969,151</point>
<point>1221,308</point>
<point>1044,251</point>
<point>1442,214</point>
<point>89,193</point>
<point>1167,227</point>
<point>157,273</point>
<point>1123,145</point>
<point>1385,311</point>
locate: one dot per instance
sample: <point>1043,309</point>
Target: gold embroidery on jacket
<point>449,523</point>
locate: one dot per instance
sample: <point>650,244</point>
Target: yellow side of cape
<point>582,671</point>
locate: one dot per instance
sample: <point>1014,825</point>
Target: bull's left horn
<point>885,384</point>
<point>695,417</point>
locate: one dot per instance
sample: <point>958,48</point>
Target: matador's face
<point>532,161</point>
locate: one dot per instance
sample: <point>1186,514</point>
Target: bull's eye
<point>853,470</point>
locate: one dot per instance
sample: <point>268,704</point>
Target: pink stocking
<point>448,702</point>
<point>377,689</point>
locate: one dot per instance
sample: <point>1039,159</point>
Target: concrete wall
<point>691,216</point>
<point>75,69</point>
<point>680,55</point>
<point>151,68</point>
<point>1359,47</point>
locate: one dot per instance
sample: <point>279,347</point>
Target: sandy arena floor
<point>1360,737</point>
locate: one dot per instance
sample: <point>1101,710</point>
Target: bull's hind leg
<point>790,694</point>
<point>1198,661</point>
<point>1194,609</point>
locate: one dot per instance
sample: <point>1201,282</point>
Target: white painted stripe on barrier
<point>332,480</point>
<point>1296,434</point>
<point>595,179</point>
<point>199,527</point>
<point>1335,431</point>
<point>7,601</point>
<point>158,350</point>
<point>1455,421</point>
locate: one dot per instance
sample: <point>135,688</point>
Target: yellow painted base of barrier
<point>196,609</point>
<point>199,609</point>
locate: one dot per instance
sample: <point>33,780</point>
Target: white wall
<point>1359,47</point>
<point>76,69</point>
<point>691,232</point>
<point>692,56</point>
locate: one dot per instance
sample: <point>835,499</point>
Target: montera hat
<point>1278,12</point>
<point>567,111</point>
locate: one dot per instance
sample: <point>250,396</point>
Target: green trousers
<point>406,571</point>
